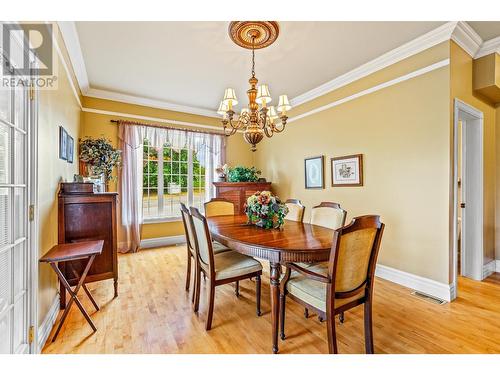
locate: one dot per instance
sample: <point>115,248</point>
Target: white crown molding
<point>74,49</point>
<point>131,99</point>
<point>426,41</point>
<point>372,89</point>
<point>153,119</point>
<point>418,283</point>
<point>458,31</point>
<point>488,47</point>
<point>467,38</point>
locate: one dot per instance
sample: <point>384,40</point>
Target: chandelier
<point>258,119</point>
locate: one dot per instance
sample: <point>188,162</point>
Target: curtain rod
<point>137,123</point>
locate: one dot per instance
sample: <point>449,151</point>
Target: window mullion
<point>160,182</point>
<point>190,177</point>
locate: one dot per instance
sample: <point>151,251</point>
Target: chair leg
<point>237,288</point>
<point>188,271</point>
<point>197,288</point>
<point>332,335</point>
<point>368,328</point>
<point>195,282</point>
<point>282,315</point>
<point>210,313</point>
<point>341,318</point>
<point>257,294</point>
<point>306,312</point>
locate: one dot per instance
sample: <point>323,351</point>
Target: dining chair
<point>329,215</point>
<point>295,210</point>
<point>342,283</point>
<point>222,268</point>
<point>217,247</point>
<point>218,207</point>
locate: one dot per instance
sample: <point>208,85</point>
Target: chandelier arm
<point>268,131</point>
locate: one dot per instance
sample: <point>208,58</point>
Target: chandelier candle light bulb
<point>255,122</point>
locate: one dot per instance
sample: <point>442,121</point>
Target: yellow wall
<point>403,133</point>
<point>96,124</point>
<point>461,83</point>
<point>56,108</point>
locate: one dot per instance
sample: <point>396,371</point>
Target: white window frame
<point>162,218</point>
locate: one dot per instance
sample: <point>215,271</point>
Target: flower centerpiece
<point>266,210</point>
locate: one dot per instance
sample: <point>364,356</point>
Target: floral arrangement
<point>100,156</point>
<point>243,174</point>
<point>266,210</point>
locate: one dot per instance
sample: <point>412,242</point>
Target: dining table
<point>294,242</point>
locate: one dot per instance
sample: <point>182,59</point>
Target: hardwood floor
<point>153,315</point>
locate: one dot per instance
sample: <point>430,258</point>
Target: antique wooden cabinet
<point>238,192</point>
<point>85,216</point>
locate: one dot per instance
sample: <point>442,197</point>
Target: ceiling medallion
<point>259,119</point>
<point>261,33</point>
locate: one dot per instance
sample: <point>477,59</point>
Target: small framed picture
<point>347,170</point>
<point>314,172</point>
<point>63,143</point>
<point>70,147</point>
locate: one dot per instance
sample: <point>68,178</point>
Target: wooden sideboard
<point>238,192</point>
<point>89,217</point>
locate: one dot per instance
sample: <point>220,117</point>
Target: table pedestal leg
<point>275,306</point>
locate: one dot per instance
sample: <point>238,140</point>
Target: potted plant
<point>266,210</point>
<point>243,174</point>
<point>100,157</point>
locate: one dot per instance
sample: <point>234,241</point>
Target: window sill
<point>158,220</point>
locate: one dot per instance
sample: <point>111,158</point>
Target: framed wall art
<point>63,143</point>
<point>70,149</point>
<point>314,172</point>
<point>347,170</point>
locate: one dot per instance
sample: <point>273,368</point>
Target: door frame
<point>462,106</point>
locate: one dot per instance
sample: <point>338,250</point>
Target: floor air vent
<point>428,298</point>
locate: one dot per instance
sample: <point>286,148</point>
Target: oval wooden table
<point>296,242</point>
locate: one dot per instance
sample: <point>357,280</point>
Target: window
<point>171,176</point>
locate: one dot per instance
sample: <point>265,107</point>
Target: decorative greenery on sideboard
<point>243,174</point>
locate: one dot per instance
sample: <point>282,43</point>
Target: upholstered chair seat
<point>219,248</point>
<point>229,264</point>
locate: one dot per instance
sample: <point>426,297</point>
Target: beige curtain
<point>210,149</point>
<point>130,187</point>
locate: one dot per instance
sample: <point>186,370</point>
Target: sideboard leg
<point>275,307</point>
<point>115,284</point>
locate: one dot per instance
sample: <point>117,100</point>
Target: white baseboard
<point>419,283</point>
<point>47,324</point>
<point>489,268</point>
<point>497,265</point>
<point>162,241</point>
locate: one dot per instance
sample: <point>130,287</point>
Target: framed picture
<point>347,170</point>
<point>70,147</point>
<point>63,143</point>
<point>314,172</point>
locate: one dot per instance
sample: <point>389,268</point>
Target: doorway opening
<point>468,193</point>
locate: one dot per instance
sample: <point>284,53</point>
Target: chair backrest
<point>188,227</point>
<point>329,215</point>
<point>295,210</point>
<point>202,238</point>
<point>354,255</point>
<point>218,207</point>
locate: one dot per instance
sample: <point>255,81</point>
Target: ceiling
<point>191,63</point>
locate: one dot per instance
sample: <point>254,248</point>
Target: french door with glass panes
<point>14,252</point>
